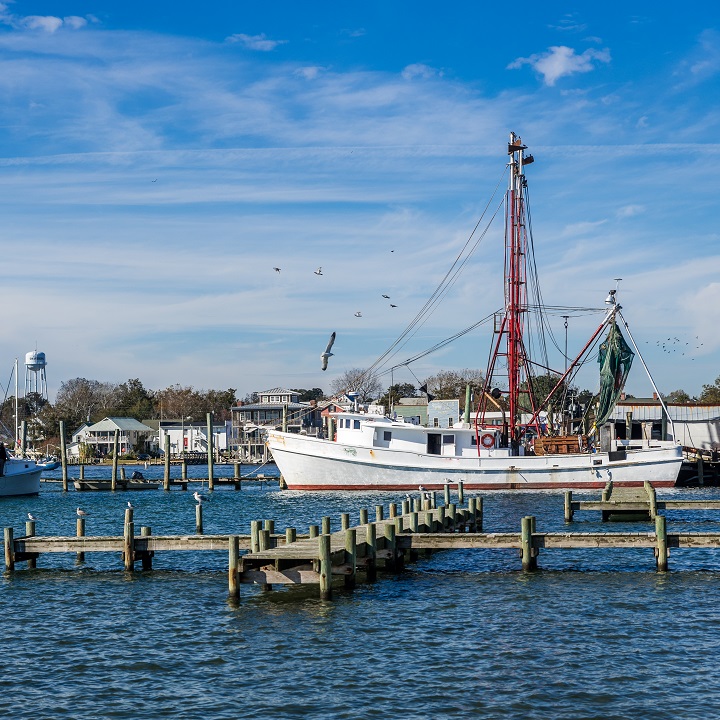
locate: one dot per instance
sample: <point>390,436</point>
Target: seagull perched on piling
<point>31,517</point>
<point>130,505</point>
<point>199,499</point>
<point>81,513</point>
<point>327,354</point>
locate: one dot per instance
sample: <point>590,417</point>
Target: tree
<point>678,396</point>
<point>359,381</point>
<point>219,402</point>
<point>307,395</point>
<point>451,384</point>
<point>711,393</point>
<point>79,400</point>
<point>133,400</point>
<point>180,402</point>
<point>397,391</point>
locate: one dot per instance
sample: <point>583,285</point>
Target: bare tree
<point>360,381</point>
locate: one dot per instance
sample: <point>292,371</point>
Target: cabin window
<point>448,439</point>
<point>473,440</point>
<point>356,424</point>
<point>387,436</point>
<point>450,422</point>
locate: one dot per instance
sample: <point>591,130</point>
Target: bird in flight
<point>327,354</point>
<point>318,271</point>
<point>387,297</point>
<point>358,314</point>
<point>81,513</point>
<point>391,305</point>
<point>31,517</point>
<point>155,180</point>
<point>276,269</point>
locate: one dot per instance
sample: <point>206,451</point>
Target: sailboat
<point>506,444</point>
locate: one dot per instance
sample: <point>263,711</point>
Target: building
<point>412,410</point>
<point>98,438</point>
<point>189,437</point>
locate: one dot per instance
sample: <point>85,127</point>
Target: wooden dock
<point>392,538</point>
<point>632,504</point>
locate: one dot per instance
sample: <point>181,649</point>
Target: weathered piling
<point>452,517</point>
<point>652,499</point>
<point>391,547</point>
<point>325,568</point>
<point>183,470</point>
<point>63,456</point>
<point>446,489</point>
<point>81,471</point>
<point>129,541</point>
<point>147,555</point>
<point>114,475</point>
<point>479,519</point>
<point>122,473</point>
<point>234,567</point>
<point>290,535</point>
<point>569,512</point>
<point>405,507</point>
<point>392,510</point>
<point>529,561</point>
<point>210,451</point>
<point>9,550</point>
<point>379,513</point>
<point>325,524</point>
<point>236,476</point>
<point>198,519</point>
<point>166,476</point>
<point>371,551</point>
<point>344,521</point>
<point>661,551</point>
<point>255,536</point>
<point>30,532</point>
<point>363,516</point>
<point>461,492</point>
<point>607,491</point>
<point>313,531</point>
<point>350,557</point>
<point>80,532</point>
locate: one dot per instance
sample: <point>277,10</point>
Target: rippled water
<point>592,635</point>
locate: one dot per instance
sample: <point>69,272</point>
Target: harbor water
<point>594,634</point>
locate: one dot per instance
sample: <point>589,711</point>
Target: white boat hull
<point>308,463</point>
<point>20,477</point>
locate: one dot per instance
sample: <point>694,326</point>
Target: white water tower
<point>35,378</point>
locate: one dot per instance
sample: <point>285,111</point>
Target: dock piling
<point>325,568</point>
<point>351,557</point>
<point>254,536</point>
<point>129,541</point>
<point>80,532</point>
<point>461,492</point>
<point>446,489</point>
<point>198,519</point>
<point>30,532</point>
<point>569,512</point>
<point>233,567</point>
<point>529,561</point>
<point>9,550</point>
<point>661,551</point>
<point>210,451</point>
<point>147,555</point>
<point>379,513</point>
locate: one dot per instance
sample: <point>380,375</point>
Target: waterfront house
<point>99,437</point>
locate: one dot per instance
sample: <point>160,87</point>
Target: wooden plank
<point>448,541</point>
<point>291,576</point>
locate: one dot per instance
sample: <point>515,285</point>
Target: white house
<point>191,436</point>
<point>100,436</point>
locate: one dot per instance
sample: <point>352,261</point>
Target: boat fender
<point>487,440</point>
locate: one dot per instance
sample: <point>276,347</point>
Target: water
<point>595,634</point>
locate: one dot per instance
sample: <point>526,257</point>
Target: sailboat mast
<point>515,278</point>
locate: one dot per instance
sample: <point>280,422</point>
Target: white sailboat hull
<point>308,463</point>
<point>20,477</point>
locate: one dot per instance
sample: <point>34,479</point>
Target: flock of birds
<point>674,345</point>
<point>199,499</point>
<point>326,355</point>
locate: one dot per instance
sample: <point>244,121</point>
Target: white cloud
<point>74,22</point>
<point>255,42</point>
<point>560,61</point>
<point>630,211</point>
<point>47,23</point>
<point>310,72</point>
<point>703,62</point>
<point>420,70</point>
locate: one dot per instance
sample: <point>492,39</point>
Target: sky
<point>158,160</point>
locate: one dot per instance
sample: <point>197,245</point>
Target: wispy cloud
<point>561,61</point>
<point>420,70</point>
<point>569,23</point>
<point>255,42</point>
<point>703,61</point>
<point>41,23</point>
<point>630,211</point>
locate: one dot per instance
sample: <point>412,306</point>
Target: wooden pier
<point>387,542</point>
<point>632,504</point>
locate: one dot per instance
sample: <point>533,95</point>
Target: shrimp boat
<point>484,452</point>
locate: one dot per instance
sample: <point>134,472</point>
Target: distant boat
<point>20,477</point>
<point>371,452</point>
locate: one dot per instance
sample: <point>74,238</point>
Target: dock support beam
<point>129,541</point>
<point>147,555</point>
<point>233,567</point>
<point>325,568</point>
<point>30,532</point>
<point>529,559</point>
<point>568,506</point>
<point>80,532</point>
<point>661,551</point>
<point>350,556</point>
<point>9,550</point>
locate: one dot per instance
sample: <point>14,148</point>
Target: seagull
<point>155,180</point>
<point>421,488</point>
<point>31,517</point>
<point>387,297</point>
<point>327,354</point>
<point>130,505</point>
<point>199,498</point>
<point>318,271</point>
<point>391,305</point>
<point>358,314</point>
<point>276,269</point>
<point>81,513</point>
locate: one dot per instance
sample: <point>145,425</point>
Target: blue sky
<point>158,160</point>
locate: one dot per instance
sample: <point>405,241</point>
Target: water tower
<point>35,378</point>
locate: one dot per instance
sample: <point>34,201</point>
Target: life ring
<point>487,440</point>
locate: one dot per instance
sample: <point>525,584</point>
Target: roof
<point>643,409</point>
<point>270,406</point>
<point>119,423</point>
<point>278,391</point>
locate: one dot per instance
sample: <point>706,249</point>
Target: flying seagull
<point>387,297</point>
<point>81,513</point>
<point>318,271</point>
<point>358,314</point>
<point>327,354</point>
<point>391,305</point>
<point>276,269</point>
<point>31,517</point>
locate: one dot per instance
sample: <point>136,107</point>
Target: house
<point>188,437</point>
<point>100,436</point>
<point>412,410</point>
